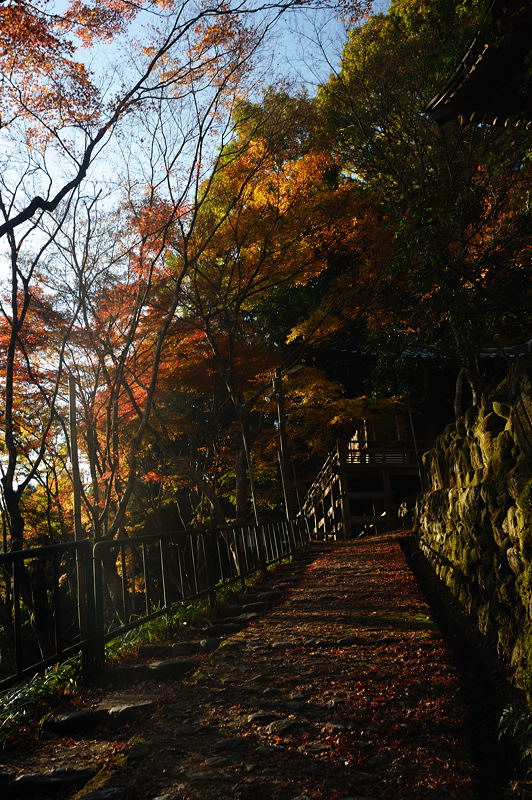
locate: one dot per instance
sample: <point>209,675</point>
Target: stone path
<point>342,690</point>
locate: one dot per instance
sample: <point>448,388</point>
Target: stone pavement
<point>343,690</point>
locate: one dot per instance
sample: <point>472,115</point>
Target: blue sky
<point>310,45</point>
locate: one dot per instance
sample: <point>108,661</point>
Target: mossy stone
<point>515,560</point>
<point>476,523</point>
<point>524,499</point>
<point>502,409</point>
<point>493,423</point>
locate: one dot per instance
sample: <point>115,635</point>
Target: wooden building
<point>361,487</point>
<point>493,82</point>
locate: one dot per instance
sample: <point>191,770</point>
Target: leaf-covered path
<point>344,690</point>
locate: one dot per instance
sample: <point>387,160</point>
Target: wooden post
<point>211,563</point>
<point>284,460</point>
<point>84,570</point>
<point>315,518</point>
<point>74,458</point>
<point>388,501</point>
<point>344,488</point>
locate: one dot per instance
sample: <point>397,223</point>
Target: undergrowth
<point>185,615</point>
<point>28,704</point>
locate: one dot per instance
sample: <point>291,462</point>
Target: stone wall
<point>474,522</point>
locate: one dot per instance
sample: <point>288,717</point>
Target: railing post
<point>18,568</point>
<point>99,635</point>
<point>163,542</point>
<point>388,500</point>
<point>292,546</point>
<point>210,551</point>
<point>89,651</point>
<point>342,448</point>
<point>262,552</point>
<point>315,518</point>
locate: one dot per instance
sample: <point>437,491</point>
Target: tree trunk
<point>241,487</point>
<point>16,520</point>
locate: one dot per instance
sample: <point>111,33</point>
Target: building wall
<point>474,523</point>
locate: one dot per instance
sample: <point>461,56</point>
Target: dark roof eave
<point>485,87</point>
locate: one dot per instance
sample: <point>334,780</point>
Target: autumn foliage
<point>248,229</point>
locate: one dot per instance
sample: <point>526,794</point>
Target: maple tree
<point>247,230</point>
<point>31,330</point>
<point>217,47</point>
<point>270,218</point>
<point>58,116</point>
<point>267,224</point>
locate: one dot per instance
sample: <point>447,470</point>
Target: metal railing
<point>63,599</point>
<point>40,590</point>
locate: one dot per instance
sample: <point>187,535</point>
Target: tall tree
<point>267,224</point>
<point>184,80</point>
<point>452,200</point>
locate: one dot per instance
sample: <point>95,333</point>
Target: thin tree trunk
<point>241,487</point>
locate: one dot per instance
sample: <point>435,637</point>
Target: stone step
<point>111,793</point>
<point>126,713</point>
<point>76,721</point>
<point>222,628</point>
<point>171,669</point>
<point>247,597</point>
<point>269,596</point>
<point>54,780</point>
<point>209,644</point>
<point>73,722</point>
<point>257,607</point>
<point>185,648</point>
<point>249,616</point>
<point>233,610</point>
<point>285,583</point>
<point>155,651</point>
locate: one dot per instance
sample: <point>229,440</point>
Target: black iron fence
<point>63,599</point>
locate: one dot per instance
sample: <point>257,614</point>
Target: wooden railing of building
<point>374,464</point>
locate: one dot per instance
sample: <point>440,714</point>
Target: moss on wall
<point>474,522</point>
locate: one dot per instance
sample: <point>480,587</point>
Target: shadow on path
<point>346,689</point>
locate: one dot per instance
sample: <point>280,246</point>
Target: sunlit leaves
<point>444,201</point>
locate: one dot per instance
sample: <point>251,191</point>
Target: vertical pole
<point>292,544</point>
<point>344,488</point>
<point>284,460</point>
<point>18,566</point>
<point>388,501</point>
<point>209,551</point>
<point>56,605</point>
<point>74,458</point>
<point>125,592</point>
<point>91,659</point>
<point>145,579</point>
<point>85,628</point>
<point>99,622</point>
<point>294,484</point>
<point>249,464</point>
<point>164,579</point>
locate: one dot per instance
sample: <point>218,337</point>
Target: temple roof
<point>493,82</point>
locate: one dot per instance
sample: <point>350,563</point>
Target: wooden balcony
<point>397,454</point>
<point>360,486</point>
